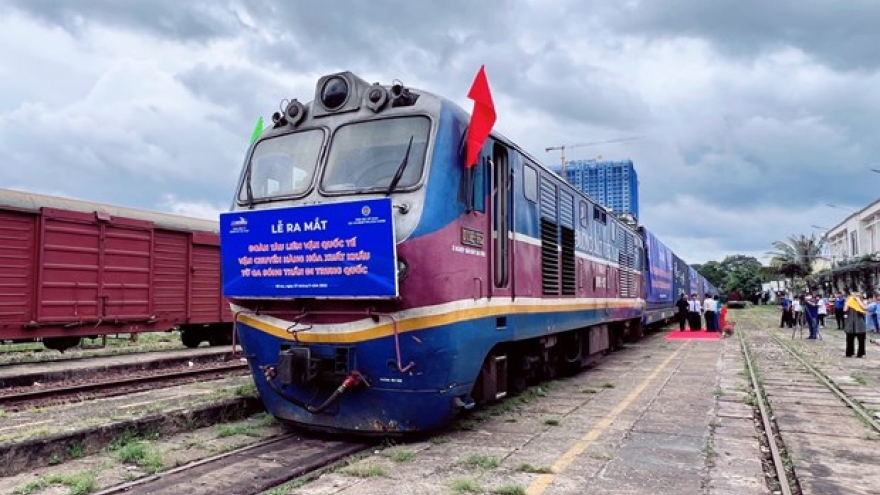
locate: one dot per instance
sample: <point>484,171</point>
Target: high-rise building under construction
<point>613,184</point>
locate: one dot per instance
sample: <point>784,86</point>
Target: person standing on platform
<point>855,309</point>
<point>709,312</point>
<point>787,320</point>
<point>872,321</point>
<point>797,308</point>
<point>682,305</point>
<point>839,303</point>
<point>718,325</point>
<point>823,310</point>
<point>811,312</point>
<point>694,313</point>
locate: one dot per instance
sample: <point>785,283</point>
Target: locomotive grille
<point>568,272</point>
<point>549,239</point>
<point>626,259</point>
<point>549,258</point>
<point>566,223</point>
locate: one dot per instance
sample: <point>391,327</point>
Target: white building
<point>856,236</point>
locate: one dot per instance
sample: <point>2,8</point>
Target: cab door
<point>501,216</point>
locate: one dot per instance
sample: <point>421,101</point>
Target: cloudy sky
<point>754,115</point>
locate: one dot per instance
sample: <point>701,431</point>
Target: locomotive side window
<point>584,214</point>
<point>530,183</point>
<point>369,155</point>
<point>282,166</point>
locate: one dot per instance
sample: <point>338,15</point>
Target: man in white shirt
<point>823,310</point>
<point>709,313</point>
<point>694,311</point>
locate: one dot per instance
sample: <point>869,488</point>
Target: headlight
<point>402,269</point>
<point>334,93</point>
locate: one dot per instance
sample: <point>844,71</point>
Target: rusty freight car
<point>71,269</point>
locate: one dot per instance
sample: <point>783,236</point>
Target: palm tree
<point>794,259</point>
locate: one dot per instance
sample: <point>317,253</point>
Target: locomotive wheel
<point>61,344</point>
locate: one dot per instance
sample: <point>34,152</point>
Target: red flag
<point>482,118</point>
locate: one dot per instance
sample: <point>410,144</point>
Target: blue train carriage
<point>380,286</point>
<point>681,277</point>
<point>660,289</point>
<point>694,285</point>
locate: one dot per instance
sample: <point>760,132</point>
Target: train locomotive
<point>379,286</point>
<point>71,269</point>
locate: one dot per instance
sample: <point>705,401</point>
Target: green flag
<point>258,129</point>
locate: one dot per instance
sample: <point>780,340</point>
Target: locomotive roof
<point>34,202</point>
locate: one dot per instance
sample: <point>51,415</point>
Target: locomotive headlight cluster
<point>334,92</point>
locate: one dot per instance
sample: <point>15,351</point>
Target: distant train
<point>381,287</point>
<point>71,269</point>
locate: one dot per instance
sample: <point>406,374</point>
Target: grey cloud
<point>191,20</point>
<point>843,36</point>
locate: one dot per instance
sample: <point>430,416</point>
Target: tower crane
<point>563,147</point>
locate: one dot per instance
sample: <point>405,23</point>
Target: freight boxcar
<point>660,295</point>
<point>71,269</point>
<point>680,277</point>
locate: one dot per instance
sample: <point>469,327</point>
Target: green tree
<point>714,272</point>
<point>794,259</point>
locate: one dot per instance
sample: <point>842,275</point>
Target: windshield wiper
<point>399,173</point>
<point>248,187</point>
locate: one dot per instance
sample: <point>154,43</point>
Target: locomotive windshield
<point>282,166</point>
<point>366,156</point>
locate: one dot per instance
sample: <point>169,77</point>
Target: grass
<point>238,429</point>
<point>438,440</point>
<point>2,412</point>
<point>140,454</point>
<point>718,392</point>
<point>364,471</point>
<point>264,419</point>
<point>79,483</point>
<point>529,468</point>
<point>482,461</point>
<point>589,391</point>
<point>402,455</point>
<point>510,490</point>
<point>551,422</point>
<point>607,385</point>
<point>246,390</point>
<point>465,485</point>
<point>859,379</point>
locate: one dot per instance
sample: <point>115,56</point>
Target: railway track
<point>813,427</point>
<point>98,388</point>
<point>246,471</point>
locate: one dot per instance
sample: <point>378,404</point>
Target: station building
<point>851,253</point>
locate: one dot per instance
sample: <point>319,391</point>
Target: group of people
<point>854,314</point>
<point>805,310</point>
<point>693,312</point>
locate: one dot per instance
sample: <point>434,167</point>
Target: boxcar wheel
<point>191,338</point>
<point>61,344</point>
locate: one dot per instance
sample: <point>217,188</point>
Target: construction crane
<point>563,147</point>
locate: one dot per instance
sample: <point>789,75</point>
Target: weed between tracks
<point>131,456</point>
<point>79,483</point>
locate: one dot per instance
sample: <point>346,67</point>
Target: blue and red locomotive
<point>381,286</point>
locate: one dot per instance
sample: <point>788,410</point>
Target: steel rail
<point>855,406</point>
<point>207,460</point>
<point>118,383</point>
<point>331,455</point>
<point>769,430</point>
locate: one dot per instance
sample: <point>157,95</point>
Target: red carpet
<point>701,335</point>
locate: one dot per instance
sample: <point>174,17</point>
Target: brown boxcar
<point>70,269</point>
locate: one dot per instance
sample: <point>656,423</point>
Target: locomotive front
<point>319,252</point>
